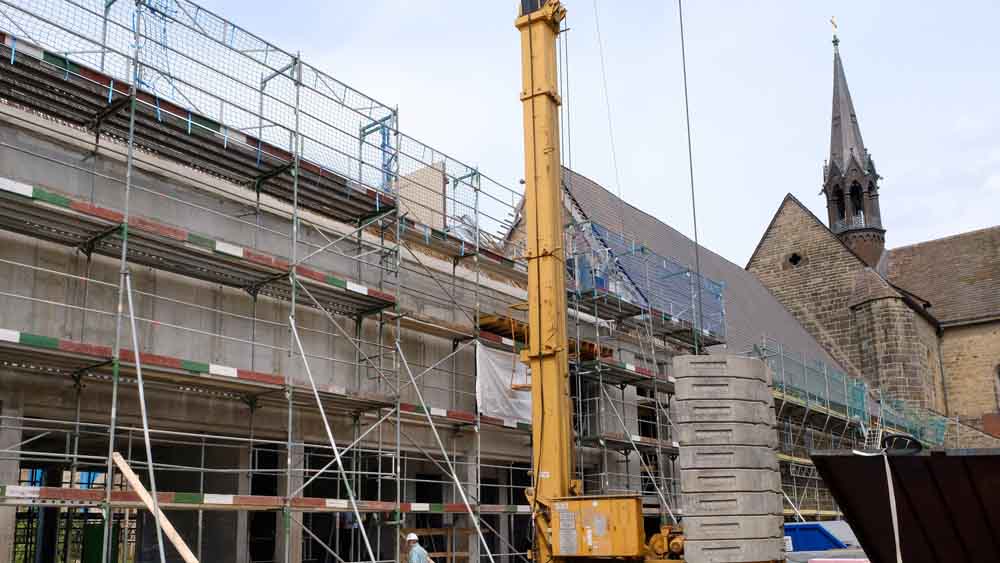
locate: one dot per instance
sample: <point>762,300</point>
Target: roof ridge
<point>947,237</point>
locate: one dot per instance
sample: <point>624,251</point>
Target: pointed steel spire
<point>845,134</point>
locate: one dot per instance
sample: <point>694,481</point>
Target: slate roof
<point>959,275</point>
<point>752,312</point>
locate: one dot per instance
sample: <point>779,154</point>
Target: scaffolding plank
<point>58,218</point>
<point>43,354</point>
<point>19,495</point>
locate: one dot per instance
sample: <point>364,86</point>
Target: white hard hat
<point>411,537</point>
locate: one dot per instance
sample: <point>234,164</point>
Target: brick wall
<point>971,355</point>
<point>818,290</point>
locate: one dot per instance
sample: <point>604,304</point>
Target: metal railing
<point>859,221</point>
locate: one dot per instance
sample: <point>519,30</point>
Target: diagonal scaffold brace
<point>444,452</point>
<point>333,441</point>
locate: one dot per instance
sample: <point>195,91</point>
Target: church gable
<point>812,273</point>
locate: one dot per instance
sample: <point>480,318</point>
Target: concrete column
<point>470,477</point>
<point>242,552</point>
<point>10,434</point>
<point>295,535</point>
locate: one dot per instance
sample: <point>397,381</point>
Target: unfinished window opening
<point>429,488</point>
<point>646,413</point>
<point>262,525</point>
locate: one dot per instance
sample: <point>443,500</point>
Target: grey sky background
<point>925,78</point>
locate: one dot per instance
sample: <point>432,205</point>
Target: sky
<point>924,77</point>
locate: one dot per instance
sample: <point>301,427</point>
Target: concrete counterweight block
<point>739,527</point>
<point>731,504</point>
<point>723,388</point>
<point>727,457</point>
<point>720,366</point>
<point>721,410</point>
<point>722,433</point>
<point>730,480</point>
<point>733,551</point>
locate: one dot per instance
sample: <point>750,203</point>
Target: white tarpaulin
<point>496,370</point>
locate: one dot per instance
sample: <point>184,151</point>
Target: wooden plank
<point>165,525</point>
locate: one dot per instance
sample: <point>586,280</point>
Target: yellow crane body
<point>546,354</point>
<point>567,525</point>
<point>598,526</point>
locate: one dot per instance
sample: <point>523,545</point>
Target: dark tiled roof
<point>958,275</point>
<point>752,312</point>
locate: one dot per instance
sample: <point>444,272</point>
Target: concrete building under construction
<point>299,326</point>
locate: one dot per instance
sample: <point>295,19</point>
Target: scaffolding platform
<point>459,249</point>
<point>51,84</point>
<point>20,495</point>
<point>44,213</point>
<point>46,355</point>
<point>621,373</point>
<point>604,304</point>
<point>669,326</point>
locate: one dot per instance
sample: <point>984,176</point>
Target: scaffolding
<point>297,290</point>
<point>820,407</point>
<point>637,308</point>
<point>216,163</point>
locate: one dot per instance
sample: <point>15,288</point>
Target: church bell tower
<point>850,182</point>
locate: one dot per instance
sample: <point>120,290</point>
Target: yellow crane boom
<point>567,525</point>
<point>546,354</point>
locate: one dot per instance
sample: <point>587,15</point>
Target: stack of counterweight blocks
<point>730,482</point>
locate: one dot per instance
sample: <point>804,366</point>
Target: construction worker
<point>417,554</point>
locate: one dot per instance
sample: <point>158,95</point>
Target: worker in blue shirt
<point>416,554</point>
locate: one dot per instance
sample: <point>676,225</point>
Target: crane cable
<point>696,325</point>
<point>611,131</point>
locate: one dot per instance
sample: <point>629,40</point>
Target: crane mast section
<point>552,444</point>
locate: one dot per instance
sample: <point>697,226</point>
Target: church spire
<point>850,181</point>
<point>845,133</point>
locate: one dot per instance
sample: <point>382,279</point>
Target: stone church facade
<point>921,322</point>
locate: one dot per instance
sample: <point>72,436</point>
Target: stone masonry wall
<point>818,289</point>
<point>893,357</point>
<point>933,379</point>
<point>971,356</point>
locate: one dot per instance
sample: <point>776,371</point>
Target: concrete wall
<point>424,193</point>
<point>10,434</point>
<point>208,322</point>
